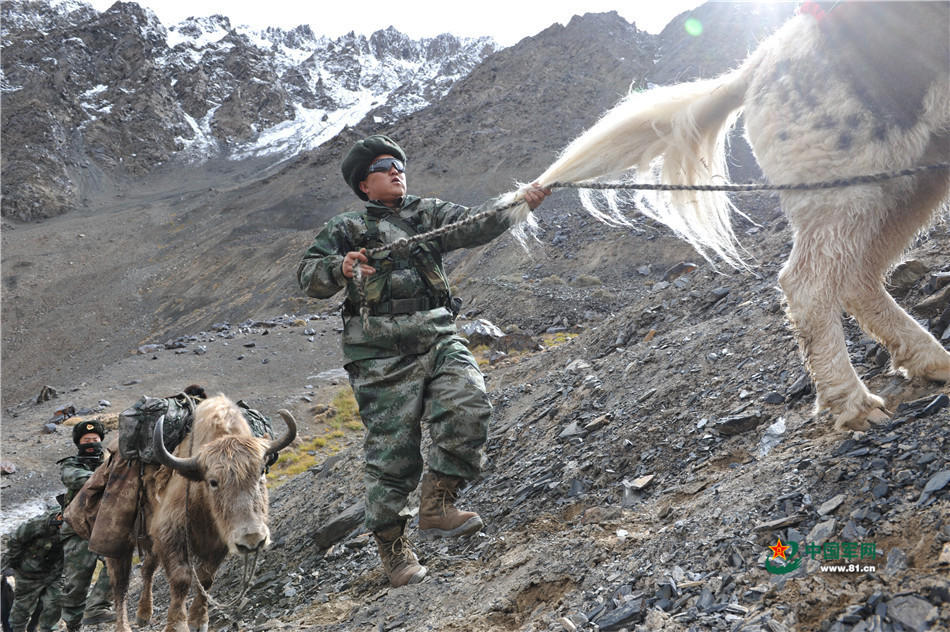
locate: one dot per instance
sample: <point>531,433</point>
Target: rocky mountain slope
<point>92,99</point>
<point>639,466</point>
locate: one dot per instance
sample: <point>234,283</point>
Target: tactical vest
<point>425,258</point>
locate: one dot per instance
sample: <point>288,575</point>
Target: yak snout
<point>251,540</point>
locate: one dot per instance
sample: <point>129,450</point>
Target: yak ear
<point>188,468</point>
<point>279,444</point>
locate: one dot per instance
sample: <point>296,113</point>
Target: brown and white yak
<point>861,89</point>
<point>209,499</point>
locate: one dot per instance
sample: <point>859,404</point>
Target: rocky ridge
<point>90,97</point>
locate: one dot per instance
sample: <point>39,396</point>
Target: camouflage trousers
<point>31,594</point>
<point>79,564</point>
<point>442,387</point>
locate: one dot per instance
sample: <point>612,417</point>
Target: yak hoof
<point>876,417</point>
<point>142,621</point>
<point>202,628</point>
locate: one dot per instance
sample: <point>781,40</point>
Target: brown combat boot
<point>438,516</point>
<point>399,562</point>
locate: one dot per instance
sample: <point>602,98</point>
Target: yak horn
<point>277,445</point>
<point>186,467</point>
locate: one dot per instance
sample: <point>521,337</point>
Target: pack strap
<point>400,223</point>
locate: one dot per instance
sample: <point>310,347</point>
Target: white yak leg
<point>812,279</point>
<point>912,348</point>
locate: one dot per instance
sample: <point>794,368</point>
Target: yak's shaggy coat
<point>864,89</point>
<point>208,501</point>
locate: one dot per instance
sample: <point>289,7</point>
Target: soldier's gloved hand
<point>350,261</point>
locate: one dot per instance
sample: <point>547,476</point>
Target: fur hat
<point>361,155</point>
<point>85,427</point>
<point>196,391</point>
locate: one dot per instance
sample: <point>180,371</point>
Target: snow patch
<point>6,86</point>
<point>209,33</point>
<point>67,6</point>
<point>309,129</point>
<point>91,92</point>
<point>204,143</point>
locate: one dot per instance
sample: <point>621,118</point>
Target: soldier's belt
<point>398,306</point>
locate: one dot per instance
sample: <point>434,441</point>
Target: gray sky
<point>507,21</point>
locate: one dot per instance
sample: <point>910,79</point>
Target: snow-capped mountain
<point>87,93</point>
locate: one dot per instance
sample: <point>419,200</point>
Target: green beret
<point>85,427</point>
<point>361,155</point>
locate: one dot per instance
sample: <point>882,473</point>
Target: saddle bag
<point>137,423</point>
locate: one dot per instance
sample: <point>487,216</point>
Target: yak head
<point>228,465</point>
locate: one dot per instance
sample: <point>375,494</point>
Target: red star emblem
<point>779,550</point>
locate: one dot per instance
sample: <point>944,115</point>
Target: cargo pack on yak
<point>137,423</point>
<point>110,504</point>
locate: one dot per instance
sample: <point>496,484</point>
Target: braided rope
<point>645,186</point>
<point>405,242</point>
<point>227,610</point>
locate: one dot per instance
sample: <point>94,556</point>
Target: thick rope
<point>405,242</point>
<point>646,186</point>
<point>247,574</point>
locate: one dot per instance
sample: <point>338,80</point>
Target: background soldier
<point>79,561</point>
<point>35,552</point>
<point>408,364</point>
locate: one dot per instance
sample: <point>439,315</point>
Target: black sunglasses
<point>385,164</point>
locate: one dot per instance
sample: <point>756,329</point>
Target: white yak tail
<point>672,135</point>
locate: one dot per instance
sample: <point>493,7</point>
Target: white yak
<point>861,89</point>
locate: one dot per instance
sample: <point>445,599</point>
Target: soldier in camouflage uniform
<point>408,364</point>
<point>80,562</point>
<point>35,552</point>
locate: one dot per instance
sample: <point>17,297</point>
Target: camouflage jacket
<point>74,471</point>
<point>35,549</point>
<point>397,277</point>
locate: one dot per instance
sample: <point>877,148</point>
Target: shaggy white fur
<point>807,120</point>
